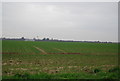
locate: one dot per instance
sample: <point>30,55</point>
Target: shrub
<point>115,69</point>
<point>23,76</point>
<point>18,75</point>
<point>96,70</point>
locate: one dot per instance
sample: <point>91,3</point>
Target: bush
<point>115,69</point>
<point>96,70</point>
<point>23,76</point>
<point>18,75</point>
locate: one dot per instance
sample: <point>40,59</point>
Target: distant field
<point>28,47</point>
<point>59,60</point>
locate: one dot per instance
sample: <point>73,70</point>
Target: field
<point>59,60</point>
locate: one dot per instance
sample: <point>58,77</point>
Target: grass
<point>100,75</point>
<point>70,47</point>
<point>95,61</point>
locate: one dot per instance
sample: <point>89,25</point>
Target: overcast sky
<point>70,21</point>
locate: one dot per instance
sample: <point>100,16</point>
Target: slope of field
<point>59,60</point>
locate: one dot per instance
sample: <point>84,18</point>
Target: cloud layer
<point>76,21</point>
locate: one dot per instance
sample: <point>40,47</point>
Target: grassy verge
<point>99,75</point>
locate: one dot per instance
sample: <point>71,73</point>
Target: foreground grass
<point>59,66</point>
<point>100,75</point>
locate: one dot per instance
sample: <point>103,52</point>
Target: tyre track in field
<point>41,50</point>
<point>60,50</point>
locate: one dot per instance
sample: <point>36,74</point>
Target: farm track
<point>60,50</point>
<point>41,50</point>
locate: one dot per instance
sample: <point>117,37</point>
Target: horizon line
<point>35,38</point>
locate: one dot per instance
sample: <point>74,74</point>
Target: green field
<point>59,60</point>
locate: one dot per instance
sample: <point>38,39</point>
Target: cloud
<point>78,21</point>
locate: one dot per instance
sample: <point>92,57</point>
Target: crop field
<point>59,60</point>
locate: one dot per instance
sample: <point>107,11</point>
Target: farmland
<point>59,60</point>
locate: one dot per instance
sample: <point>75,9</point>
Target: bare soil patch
<point>64,53</point>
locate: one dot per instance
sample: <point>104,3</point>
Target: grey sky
<point>75,21</point>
